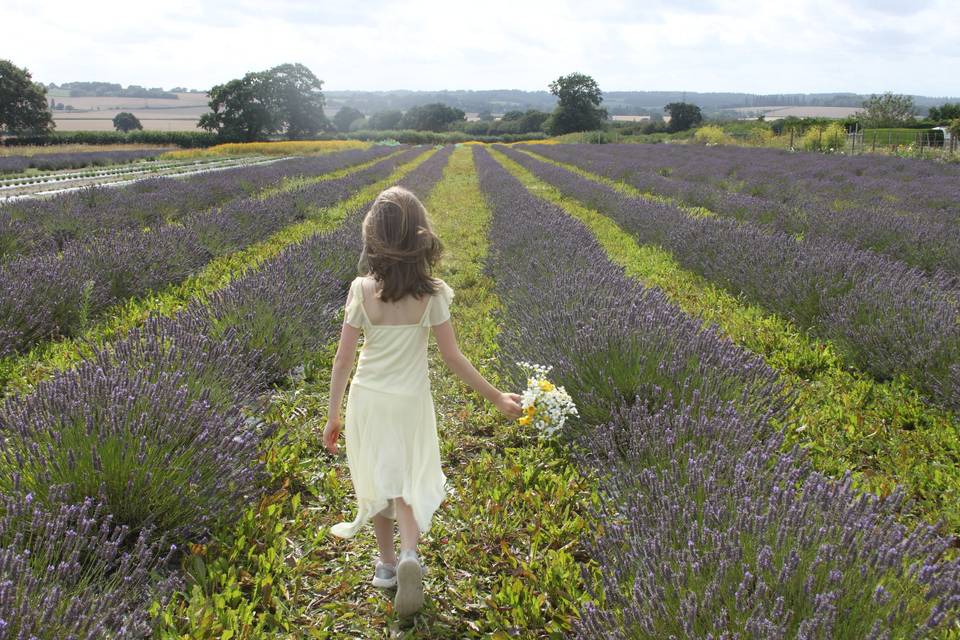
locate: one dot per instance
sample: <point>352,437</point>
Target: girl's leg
<point>384,529</point>
<point>409,532</point>
<point>409,596</point>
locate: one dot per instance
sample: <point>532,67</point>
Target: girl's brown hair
<point>399,247</point>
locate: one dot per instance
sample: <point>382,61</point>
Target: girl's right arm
<point>507,403</point>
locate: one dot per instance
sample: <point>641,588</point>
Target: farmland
<point>95,113</point>
<point>764,348</point>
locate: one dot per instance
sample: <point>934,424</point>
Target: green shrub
<point>711,134</point>
<point>832,137</point>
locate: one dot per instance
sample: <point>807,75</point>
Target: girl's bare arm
<point>342,366</point>
<point>507,403</point>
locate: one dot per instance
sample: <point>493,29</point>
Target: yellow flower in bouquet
<point>545,405</point>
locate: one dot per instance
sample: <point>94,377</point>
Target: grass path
<point>18,374</point>
<point>503,554</point>
<point>882,432</point>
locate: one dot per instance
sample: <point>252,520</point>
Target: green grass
<point>884,433</point>
<point>887,137</point>
<point>504,551</point>
<point>20,373</point>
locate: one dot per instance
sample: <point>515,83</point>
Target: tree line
<point>288,101</point>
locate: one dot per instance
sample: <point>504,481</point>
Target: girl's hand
<point>509,405</point>
<point>331,432</point>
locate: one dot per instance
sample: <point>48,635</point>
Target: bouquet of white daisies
<point>545,405</point>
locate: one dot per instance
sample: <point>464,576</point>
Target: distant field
<point>96,113</point>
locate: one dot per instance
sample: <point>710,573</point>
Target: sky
<point>783,46</point>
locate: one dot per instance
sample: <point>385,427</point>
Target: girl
<point>390,431</point>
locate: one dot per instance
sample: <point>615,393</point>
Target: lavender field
<point>164,349</point>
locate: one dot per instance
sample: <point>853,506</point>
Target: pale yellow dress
<point>390,426</point>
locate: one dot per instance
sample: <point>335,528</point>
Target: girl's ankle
<point>392,560</point>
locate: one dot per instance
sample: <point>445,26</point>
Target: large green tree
<point>298,99</point>
<point>578,105</point>
<point>683,116</point>
<point>285,100</point>
<point>887,110</point>
<point>23,102</point>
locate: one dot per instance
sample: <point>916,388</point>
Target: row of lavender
<point>49,295</point>
<point>110,468</point>
<point>705,528</point>
<point>889,319</point>
<point>907,215</point>
<point>55,161</point>
<point>48,224</point>
<point>923,189</point>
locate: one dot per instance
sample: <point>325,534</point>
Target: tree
<point>286,99</point>
<point>345,117</point>
<point>298,98</point>
<point>23,102</point>
<point>887,110</point>
<point>683,116</point>
<point>126,121</point>
<point>384,120</point>
<point>945,113</point>
<point>240,109</point>
<point>431,117</point>
<point>578,106</point>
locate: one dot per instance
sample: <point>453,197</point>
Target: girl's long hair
<point>399,247</point>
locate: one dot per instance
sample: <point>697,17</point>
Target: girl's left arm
<point>342,366</point>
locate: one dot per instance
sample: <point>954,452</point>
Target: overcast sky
<point>779,46</point>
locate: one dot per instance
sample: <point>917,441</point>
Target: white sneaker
<point>409,596</point>
<point>385,575</point>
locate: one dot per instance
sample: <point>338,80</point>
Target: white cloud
<point>698,45</point>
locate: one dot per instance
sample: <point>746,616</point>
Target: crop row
<point>774,196</point>
<point>881,183</point>
<point>705,528</point>
<point>888,319</point>
<point>112,467</point>
<point>56,161</point>
<point>50,224</point>
<point>45,295</point>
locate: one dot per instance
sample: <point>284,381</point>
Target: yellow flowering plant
<point>545,405</point>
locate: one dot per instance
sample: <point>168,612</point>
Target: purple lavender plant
<point>77,160</point>
<point>70,572</point>
<point>706,529</point>
<point>888,318</point>
<point>44,224</point>
<point>48,296</point>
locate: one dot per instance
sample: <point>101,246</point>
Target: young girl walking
<point>390,430</point>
